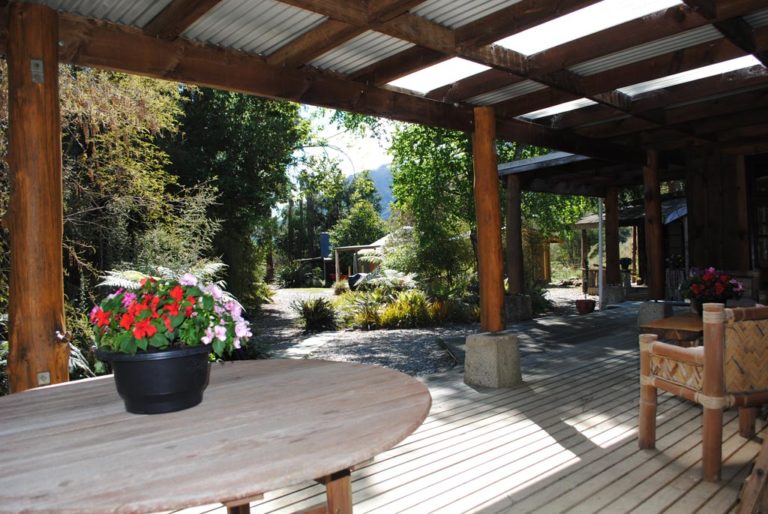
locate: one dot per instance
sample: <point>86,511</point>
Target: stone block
<point>518,307</point>
<point>613,295</point>
<point>651,311</point>
<point>492,360</point>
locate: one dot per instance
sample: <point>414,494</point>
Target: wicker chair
<point>730,370</point>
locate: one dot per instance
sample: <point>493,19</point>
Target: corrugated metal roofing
<point>137,13</point>
<point>364,50</point>
<point>759,19</point>
<point>648,50</point>
<point>505,93</point>
<point>455,13</point>
<point>256,27</point>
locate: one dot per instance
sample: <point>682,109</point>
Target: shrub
<point>453,311</point>
<point>539,301</point>
<point>387,282</point>
<point>410,309</point>
<point>315,314</point>
<point>340,287</point>
<point>366,310</point>
<point>295,274</point>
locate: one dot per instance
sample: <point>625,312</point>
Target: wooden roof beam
<point>101,44</point>
<point>731,83</point>
<point>314,43</point>
<point>735,29</point>
<point>515,18</point>
<point>177,17</point>
<point>472,86</point>
<point>399,65</point>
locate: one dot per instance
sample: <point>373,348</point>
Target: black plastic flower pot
<point>161,381</point>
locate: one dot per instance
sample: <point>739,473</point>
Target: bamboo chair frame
<point>729,370</point>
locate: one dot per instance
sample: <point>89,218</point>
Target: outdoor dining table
<point>263,425</point>
<point>684,329</point>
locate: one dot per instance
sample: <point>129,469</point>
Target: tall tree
<point>243,145</point>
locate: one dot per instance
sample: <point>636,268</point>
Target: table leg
<point>239,509</point>
<point>338,489</point>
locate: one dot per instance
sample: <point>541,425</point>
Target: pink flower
<point>220,332</point>
<point>188,279</point>
<point>242,330</point>
<point>128,299</point>
<point>208,337</point>
<point>237,344</point>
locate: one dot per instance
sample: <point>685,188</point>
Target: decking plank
<point>565,441</point>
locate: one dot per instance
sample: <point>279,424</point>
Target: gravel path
<point>412,351</point>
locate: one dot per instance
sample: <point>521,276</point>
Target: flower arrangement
<point>710,285</point>
<point>165,313</point>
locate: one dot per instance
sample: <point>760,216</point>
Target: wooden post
<point>338,268</point>
<point>653,227</point>
<point>338,490</point>
<point>713,387</point>
<point>648,398</point>
<point>514,236</point>
<point>612,272</point>
<point>634,250</point>
<point>547,264</point>
<point>488,213</point>
<point>584,261</point>
<point>35,214</point>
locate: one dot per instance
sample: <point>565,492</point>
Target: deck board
<point>566,441</point>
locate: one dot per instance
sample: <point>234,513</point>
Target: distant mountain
<point>382,178</point>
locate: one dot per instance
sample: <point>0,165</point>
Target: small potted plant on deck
<point>585,305</point>
<point>158,334</point>
<point>710,286</point>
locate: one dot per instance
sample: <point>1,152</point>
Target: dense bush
<point>340,287</point>
<point>296,274</point>
<point>410,309</point>
<point>315,314</point>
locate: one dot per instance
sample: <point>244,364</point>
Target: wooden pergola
<point>343,54</point>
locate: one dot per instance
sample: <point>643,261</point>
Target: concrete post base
<point>492,360</point>
<point>518,307</point>
<point>613,295</point>
<point>651,311</point>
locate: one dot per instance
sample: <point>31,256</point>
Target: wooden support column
<point>488,213</point>
<point>584,261</point>
<point>514,236</point>
<point>653,227</point>
<point>35,219</point>
<point>713,387</point>
<point>612,271</point>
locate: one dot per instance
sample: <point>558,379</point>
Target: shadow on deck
<point>564,441</point>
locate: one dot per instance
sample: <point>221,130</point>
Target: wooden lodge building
<point>680,92</point>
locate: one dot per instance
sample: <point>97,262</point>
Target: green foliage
<point>297,274</point>
<point>539,301</point>
<point>453,311</point>
<point>361,226</point>
<point>340,287</point>
<point>387,282</point>
<point>554,215</point>
<point>242,145</point>
<point>410,309</point>
<point>315,314</point>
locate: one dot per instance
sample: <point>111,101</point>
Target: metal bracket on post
<point>38,74</point>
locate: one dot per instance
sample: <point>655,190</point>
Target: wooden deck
<point>565,441</point>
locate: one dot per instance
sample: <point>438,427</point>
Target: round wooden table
<point>263,425</point>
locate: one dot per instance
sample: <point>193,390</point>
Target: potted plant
<point>585,305</point>
<point>625,263</point>
<point>709,286</point>
<point>158,335</point>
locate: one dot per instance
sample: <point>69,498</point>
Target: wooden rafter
<point>484,81</point>
<point>399,65</point>
<point>735,28</point>
<point>314,43</point>
<point>101,44</point>
<point>177,17</point>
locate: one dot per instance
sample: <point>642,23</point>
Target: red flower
<point>172,308</point>
<point>144,329</point>
<point>188,311</point>
<point>719,288</point>
<point>177,293</point>
<point>126,321</point>
<point>101,317</point>
<point>167,322</point>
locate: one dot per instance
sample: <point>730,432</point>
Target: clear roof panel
<point>439,75</point>
<point>558,109</point>
<point>583,22</point>
<point>689,76</point>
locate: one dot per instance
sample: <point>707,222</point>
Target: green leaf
<point>208,302</point>
<point>218,347</point>
<point>158,341</point>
